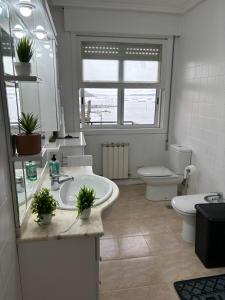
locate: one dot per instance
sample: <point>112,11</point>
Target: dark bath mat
<point>204,288</point>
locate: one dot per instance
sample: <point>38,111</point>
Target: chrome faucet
<point>56,181</point>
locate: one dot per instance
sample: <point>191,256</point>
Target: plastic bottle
<point>31,170</point>
<point>54,166</point>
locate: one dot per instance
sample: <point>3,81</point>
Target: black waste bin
<point>210,234</point>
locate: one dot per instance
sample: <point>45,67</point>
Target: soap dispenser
<point>54,166</point>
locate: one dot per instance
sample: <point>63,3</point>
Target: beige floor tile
<point>168,243</point>
<point>154,225</point>
<point>109,249</point>
<point>141,293</point>
<point>136,246</point>
<point>126,227</point>
<point>127,273</point>
<point>124,247</point>
<point>143,251</point>
<point>162,292</point>
<point>153,292</point>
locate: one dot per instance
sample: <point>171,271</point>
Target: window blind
<point>107,50</point>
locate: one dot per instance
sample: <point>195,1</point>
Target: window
<point>101,106</point>
<point>120,84</point>
<point>139,106</point>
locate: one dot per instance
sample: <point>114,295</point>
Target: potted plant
<point>44,206</point>
<point>28,143</point>
<point>24,52</point>
<point>85,201</point>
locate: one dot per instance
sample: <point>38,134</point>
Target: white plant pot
<point>85,214</point>
<point>22,69</point>
<point>46,219</point>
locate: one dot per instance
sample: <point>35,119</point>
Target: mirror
<point>40,98</point>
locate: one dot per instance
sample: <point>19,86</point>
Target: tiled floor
<point>142,252</point>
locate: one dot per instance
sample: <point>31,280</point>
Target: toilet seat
<point>158,171</point>
<point>186,204</point>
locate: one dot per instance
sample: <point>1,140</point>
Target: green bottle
<point>31,170</point>
<point>54,166</point>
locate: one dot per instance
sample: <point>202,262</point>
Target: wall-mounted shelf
<point>25,78</point>
<point>35,157</point>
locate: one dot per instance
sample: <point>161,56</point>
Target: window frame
<point>162,87</point>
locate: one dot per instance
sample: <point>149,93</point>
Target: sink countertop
<point>60,227</point>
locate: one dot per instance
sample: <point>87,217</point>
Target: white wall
<point>200,93</point>
<point>145,149</point>
<point>67,90</point>
<point>9,278</point>
<point>117,22</point>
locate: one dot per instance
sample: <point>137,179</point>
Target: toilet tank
<point>179,158</point>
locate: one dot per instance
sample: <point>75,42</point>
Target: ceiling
<point>160,6</point>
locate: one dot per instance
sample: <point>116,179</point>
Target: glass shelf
<point>19,78</point>
<point>35,157</point>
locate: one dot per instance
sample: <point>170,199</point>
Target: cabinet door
<point>59,269</point>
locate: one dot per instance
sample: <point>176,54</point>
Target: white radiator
<point>115,160</point>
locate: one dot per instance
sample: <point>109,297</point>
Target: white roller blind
<point>106,50</point>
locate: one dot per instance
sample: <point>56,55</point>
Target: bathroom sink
<point>70,189</point>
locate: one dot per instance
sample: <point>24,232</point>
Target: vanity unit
<point>61,260</point>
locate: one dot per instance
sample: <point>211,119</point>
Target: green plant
<point>28,123</point>
<point>52,139</point>
<point>24,50</point>
<point>43,203</point>
<point>85,199</point>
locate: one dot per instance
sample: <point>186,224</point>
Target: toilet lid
<point>186,204</point>
<point>155,172</point>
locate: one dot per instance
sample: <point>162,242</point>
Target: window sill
<point>116,131</point>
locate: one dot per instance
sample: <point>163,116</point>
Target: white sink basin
<point>70,189</point>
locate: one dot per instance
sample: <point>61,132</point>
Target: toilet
<point>185,208</point>
<point>161,182</point>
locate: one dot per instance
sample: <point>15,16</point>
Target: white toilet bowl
<point>161,183</point>
<point>185,207</point>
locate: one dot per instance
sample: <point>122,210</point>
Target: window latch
<point>158,97</point>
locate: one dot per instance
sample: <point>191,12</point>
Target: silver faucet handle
<point>55,177</point>
<point>55,182</point>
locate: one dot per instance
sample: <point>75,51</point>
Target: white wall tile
<point>200,93</point>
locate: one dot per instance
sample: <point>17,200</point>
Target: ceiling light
<point>40,32</point>
<point>25,7</point>
<point>18,31</point>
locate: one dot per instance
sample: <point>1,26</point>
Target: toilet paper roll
<point>189,171</point>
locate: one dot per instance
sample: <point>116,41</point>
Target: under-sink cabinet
<point>57,269</point>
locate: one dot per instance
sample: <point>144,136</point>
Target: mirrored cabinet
<point>35,94</point>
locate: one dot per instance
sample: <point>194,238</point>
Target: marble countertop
<point>64,224</point>
<point>77,140</point>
